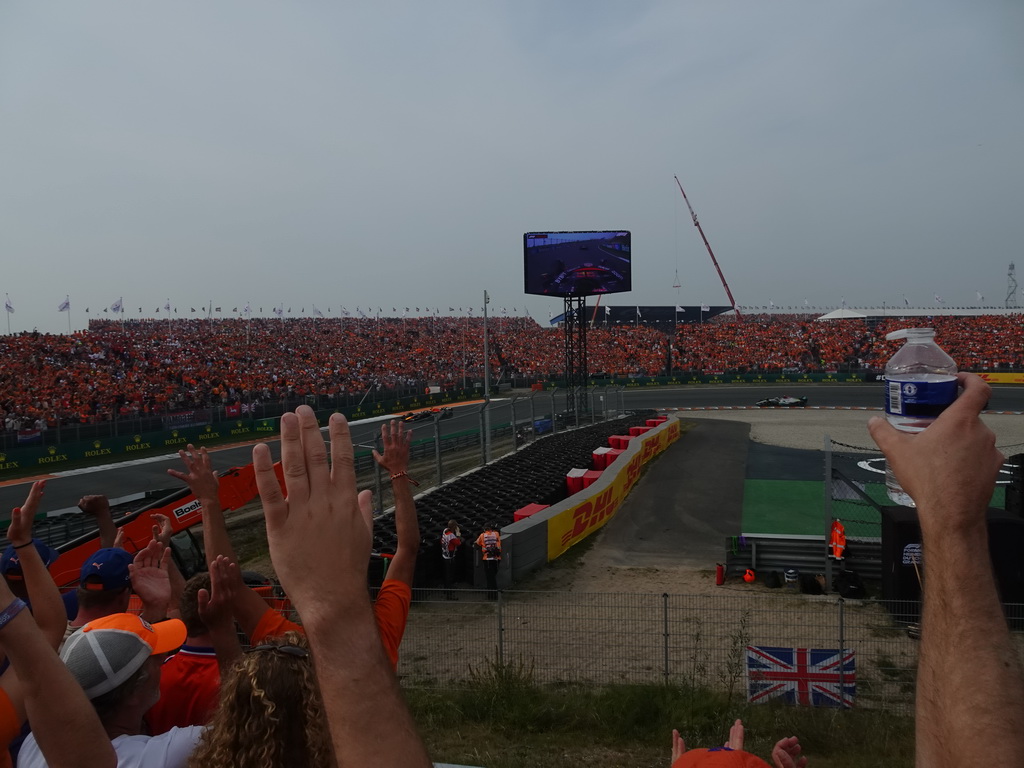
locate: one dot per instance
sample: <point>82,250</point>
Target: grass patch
<point>503,719</point>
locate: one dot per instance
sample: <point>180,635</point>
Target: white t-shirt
<point>168,750</point>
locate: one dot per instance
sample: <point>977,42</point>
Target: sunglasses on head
<point>288,650</point>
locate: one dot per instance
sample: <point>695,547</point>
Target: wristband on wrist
<point>12,610</point>
<point>22,546</point>
<point>404,474</point>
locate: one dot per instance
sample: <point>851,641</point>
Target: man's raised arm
<point>395,461</point>
<point>248,607</point>
<point>320,542</point>
<point>970,691</point>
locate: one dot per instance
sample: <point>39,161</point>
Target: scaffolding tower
<point>1011,289</point>
<point>576,374</point>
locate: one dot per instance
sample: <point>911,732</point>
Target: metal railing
<point>685,640</point>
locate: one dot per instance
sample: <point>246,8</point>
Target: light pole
<point>487,387</point>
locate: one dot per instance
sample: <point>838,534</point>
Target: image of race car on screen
<point>577,263</point>
<point>428,414</point>
<point>782,402</point>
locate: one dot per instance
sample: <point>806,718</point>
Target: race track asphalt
<point>686,504</point>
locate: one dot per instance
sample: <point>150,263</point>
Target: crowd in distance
<point>138,368</point>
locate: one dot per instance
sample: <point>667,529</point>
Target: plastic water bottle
<point>920,383</point>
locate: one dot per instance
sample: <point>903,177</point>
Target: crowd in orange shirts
<point>147,367</point>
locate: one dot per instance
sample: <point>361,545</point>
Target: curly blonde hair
<point>270,713</point>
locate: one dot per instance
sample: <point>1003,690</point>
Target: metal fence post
<point>664,613</point>
<point>437,449</point>
<point>828,511</point>
<point>379,445</point>
<point>484,437</point>
<point>501,632</point>
<point>842,647</point>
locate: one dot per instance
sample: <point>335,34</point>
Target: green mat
<point>792,507</point>
<point>796,507</point>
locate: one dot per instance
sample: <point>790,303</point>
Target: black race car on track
<point>782,402</point>
<point>428,414</point>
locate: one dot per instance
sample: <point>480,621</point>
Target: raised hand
<point>198,474</point>
<point>215,604</point>
<point>678,746</point>
<point>162,530</point>
<point>319,536</point>
<point>151,580</point>
<point>930,464</point>
<point>786,753</point>
<point>735,736</point>
<point>396,439</point>
<point>94,504</point>
<point>19,531</point>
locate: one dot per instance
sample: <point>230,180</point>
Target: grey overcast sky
<point>392,153</point>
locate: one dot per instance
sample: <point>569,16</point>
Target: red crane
<point>707,245</point>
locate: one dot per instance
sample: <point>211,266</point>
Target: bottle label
<point>917,399</point>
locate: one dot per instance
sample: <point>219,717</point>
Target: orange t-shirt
<point>391,609</point>
<point>189,690</point>
<point>719,757</point>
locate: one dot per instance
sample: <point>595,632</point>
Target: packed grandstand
<point>137,368</point>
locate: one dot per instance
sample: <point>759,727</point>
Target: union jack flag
<point>807,676</point>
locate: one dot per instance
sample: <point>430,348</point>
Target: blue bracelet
<point>12,610</point>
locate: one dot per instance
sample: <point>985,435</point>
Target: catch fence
<point>682,640</point>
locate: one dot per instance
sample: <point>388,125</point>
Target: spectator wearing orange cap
<point>116,660</point>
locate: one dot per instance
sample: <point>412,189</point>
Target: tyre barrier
<point>533,475</point>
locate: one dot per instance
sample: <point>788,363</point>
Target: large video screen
<point>576,263</point>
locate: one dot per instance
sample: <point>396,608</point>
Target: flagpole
<point>68,299</point>
<point>487,389</point>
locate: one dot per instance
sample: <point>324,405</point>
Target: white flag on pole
<point>117,306</point>
<point>8,306</point>
<point>65,305</point>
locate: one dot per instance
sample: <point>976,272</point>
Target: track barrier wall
<point>834,377</point>
<point>548,534</point>
<point>54,457</point>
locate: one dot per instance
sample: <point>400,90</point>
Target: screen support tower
<point>576,374</point>
<point>1011,289</point>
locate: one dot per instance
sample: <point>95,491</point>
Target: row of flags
<point>906,302</point>
<point>118,308</point>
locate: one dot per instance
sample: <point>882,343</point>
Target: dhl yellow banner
<point>1003,378</point>
<point>579,521</point>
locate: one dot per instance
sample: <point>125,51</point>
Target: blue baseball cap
<point>106,570</point>
<point>10,562</point>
